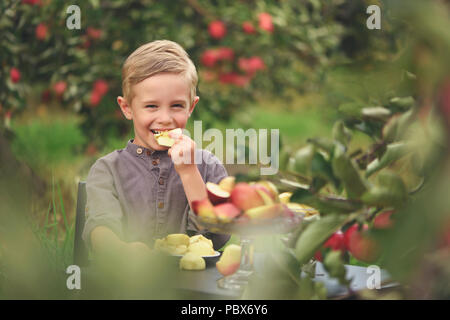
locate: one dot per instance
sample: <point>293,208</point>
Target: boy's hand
<point>182,153</point>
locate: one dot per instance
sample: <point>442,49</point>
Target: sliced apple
<point>192,261</point>
<point>264,193</point>
<point>200,238</point>
<point>177,239</point>
<point>216,194</point>
<point>180,250</point>
<point>230,260</point>
<point>271,188</point>
<point>201,248</point>
<point>227,183</point>
<point>205,210</point>
<point>302,208</point>
<point>245,196</point>
<point>265,212</point>
<point>226,212</point>
<point>285,197</point>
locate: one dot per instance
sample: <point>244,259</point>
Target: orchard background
<point>364,118</point>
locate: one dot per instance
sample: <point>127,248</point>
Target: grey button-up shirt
<point>137,193</point>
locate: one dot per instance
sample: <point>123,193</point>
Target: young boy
<point>143,192</point>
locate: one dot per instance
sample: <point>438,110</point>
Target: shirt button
<point>155,162</point>
<point>161,181</point>
<point>149,152</point>
<point>161,205</point>
<point>139,150</point>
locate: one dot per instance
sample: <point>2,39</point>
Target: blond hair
<point>160,56</point>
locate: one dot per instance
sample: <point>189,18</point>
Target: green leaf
<point>321,168</point>
<point>390,129</point>
<point>325,144</point>
<point>302,159</point>
<point>346,170</point>
<point>377,113</point>
<point>402,102</point>
<point>341,133</point>
<point>326,205</point>
<point>315,234</point>
<point>334,265</point>
<point>404,122</point>
<point>390,191</point>
<point>394,151</point>
<point>351,109</point>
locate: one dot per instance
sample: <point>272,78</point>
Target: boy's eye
<point>178,105</point>
<point>151,106</point>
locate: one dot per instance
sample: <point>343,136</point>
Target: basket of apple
<point>246,208</point>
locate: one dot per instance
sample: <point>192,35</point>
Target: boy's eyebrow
<point>175,101</point>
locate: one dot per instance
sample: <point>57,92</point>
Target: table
<point>203,284</point>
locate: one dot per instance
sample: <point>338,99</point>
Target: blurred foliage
<point>43,144</point>
<point>390,85</point>
<point>403,107</point>
<point>296,44</point>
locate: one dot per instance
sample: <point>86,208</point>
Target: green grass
<point>57,241</point>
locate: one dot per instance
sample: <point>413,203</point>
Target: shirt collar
<point>142,152</point>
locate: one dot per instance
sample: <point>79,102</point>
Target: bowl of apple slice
<point>248,209</point>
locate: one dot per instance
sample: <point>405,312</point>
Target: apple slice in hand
<point>216,194</point>
<point>165,140</point>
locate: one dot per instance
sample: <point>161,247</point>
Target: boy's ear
<point>126,109</point>
<point>191,108</point>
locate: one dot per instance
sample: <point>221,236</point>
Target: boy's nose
<point>164,117</point>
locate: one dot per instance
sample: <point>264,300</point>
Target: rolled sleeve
<point>102,206</point>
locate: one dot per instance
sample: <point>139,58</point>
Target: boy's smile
<point>160,103</point>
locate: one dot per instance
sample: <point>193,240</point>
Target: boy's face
<point>160,102</point>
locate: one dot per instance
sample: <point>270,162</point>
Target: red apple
<point>226,212</point>
<point>265,22</point>
<point>245,196</point>
<point>383,220</point>
<point>248,27</point>
<point>318,256</point>
<point>101,87</point>
<point>336,242</point>
<point>95,98</point>
<point>59,87</point>
<point>14,74</point>
<point>217,29</point>
<point>204,209</point>
<point>94,33</point>
<point>363,247</point>
<point>349,232</point>
<point>225,53</point>
<point>209,57</point>
<point>41,31</point>
<point>216,194</point>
